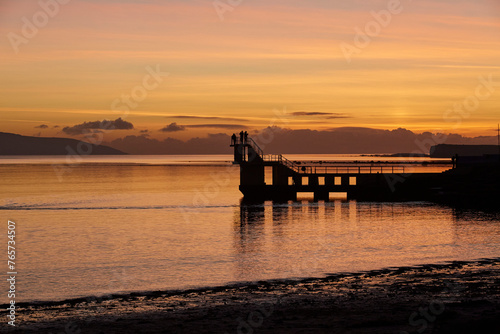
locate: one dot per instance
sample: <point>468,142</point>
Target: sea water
<point>122,224</point>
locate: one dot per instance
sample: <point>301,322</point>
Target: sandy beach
<point>455,297</point>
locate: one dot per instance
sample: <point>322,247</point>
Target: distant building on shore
<point>448,151</point>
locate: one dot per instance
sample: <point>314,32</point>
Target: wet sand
<point>456,297</point>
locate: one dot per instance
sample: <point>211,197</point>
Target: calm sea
<point>121,224</point>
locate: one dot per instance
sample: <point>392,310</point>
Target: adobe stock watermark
<point>139,93</point>
<point>255,319</point>
<point>424,317</point>
<point>373,28</point>
<point>94,137</point>
<point>30,27</point>
<point>223,6</point>
<point>461,110</point>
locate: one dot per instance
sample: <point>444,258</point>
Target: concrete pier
<point>289,180</point>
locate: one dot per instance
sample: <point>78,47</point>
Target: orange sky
<point>264,56</point>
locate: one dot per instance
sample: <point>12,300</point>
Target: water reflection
<point>482,214</point>
<point>280,232</point>
<point>251,220</point>
<point>307,238</point>
<point>249,227</point>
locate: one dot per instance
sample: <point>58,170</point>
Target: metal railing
<point>272,157</point>
<point>279,158</point>
<point>351,169</point>
<point>333,169</point>
<point>254,145</point>
<point>282,160</point>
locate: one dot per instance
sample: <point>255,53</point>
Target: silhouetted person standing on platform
<point>241,137</point>
<point>245,136</point>
<point>233,139</point>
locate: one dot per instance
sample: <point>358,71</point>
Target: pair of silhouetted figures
<point>243,137</point>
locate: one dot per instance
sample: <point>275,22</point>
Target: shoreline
<point>251,284</point>
<point>457,293</point>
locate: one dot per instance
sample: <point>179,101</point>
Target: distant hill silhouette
<point>13,144</point>
<point>448,151</point>
<point>276,140</point>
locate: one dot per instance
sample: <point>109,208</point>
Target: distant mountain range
<point>341,141</point>
<point>13,144</point>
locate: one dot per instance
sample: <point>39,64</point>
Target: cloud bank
<point>173,127</point>
<point>96,126</point>
<point>328,115</point>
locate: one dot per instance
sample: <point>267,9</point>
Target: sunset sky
<point>237,66</point>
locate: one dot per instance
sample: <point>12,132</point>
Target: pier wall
<point>384,186</point>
